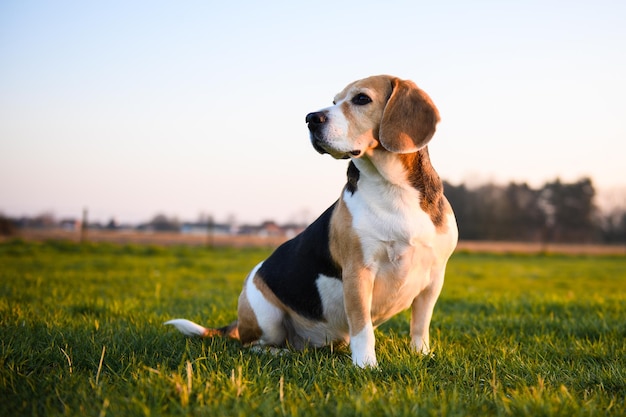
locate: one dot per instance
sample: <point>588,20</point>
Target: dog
<point>381,248</point>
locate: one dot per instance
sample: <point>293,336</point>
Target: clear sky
<point>133,108</point>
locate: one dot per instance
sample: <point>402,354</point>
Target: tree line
<point>556,212</point>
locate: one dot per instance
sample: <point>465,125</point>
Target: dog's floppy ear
<point>409,119</point>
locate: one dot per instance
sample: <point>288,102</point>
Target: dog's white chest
<point>396,238</point>
<point>390,220</point>
<point>399,279</point>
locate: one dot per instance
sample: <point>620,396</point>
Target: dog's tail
<point>189,328</point>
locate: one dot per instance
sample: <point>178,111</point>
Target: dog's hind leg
<point>422,312</point>
<point>260,320</point>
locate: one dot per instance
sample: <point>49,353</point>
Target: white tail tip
<point>188,328</point>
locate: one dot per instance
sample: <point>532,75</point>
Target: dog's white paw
<point>362,347</point>
<point>186,327</point>
<point>365,362</point>
<point>420,345</point>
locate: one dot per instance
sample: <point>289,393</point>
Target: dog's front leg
<point>357,292</point>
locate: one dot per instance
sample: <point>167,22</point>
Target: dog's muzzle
<point>315,122</point>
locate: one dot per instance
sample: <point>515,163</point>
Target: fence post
<point>210,226</point>
<point>84,226</point>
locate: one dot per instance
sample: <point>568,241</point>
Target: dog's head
<point>380,111</point>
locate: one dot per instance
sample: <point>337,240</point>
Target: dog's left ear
<point>409,119</point>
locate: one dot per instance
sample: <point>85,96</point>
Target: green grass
<point>81,334</point>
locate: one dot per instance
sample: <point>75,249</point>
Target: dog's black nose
<point>315,119</point>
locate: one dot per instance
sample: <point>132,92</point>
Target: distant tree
<point>493,212</point>
<point>569,210</point>
<point>613,226</point>
<point>7,227</point>
<point>490,211</point>
<point>523,218</point>
<point>555,212</point>
<point>162,223</point>
<point>459,197</point>
<point>112,224</point>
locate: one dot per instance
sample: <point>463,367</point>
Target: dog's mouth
<point>323,148</point>
<point>317,146</point>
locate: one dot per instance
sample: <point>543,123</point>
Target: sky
<point>197,108</point>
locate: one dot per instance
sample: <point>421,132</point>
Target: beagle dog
<point>378,250</point>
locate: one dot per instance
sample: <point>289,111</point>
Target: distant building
<point>70,224</point>
<point>203,228</point>
<point>293,229</point>
<point>270,229</point>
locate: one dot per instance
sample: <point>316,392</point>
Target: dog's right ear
<point>409,119</point>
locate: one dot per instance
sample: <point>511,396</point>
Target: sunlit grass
<point>81,334</point>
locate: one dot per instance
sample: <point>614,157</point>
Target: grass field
<point>81,334</point>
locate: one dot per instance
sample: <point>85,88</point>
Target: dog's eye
<point>361,99</point>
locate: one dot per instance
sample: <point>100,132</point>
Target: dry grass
<point>170,239</point>
<point>152,238</point>
<point>536,248</point>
